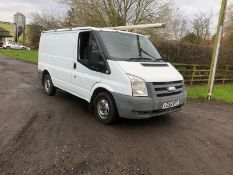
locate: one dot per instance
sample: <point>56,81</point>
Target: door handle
<point>75,66</point>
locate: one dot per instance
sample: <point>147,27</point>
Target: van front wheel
<point>49,88</point>
<point>105,108</point>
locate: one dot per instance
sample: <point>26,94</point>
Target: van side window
<point>88,47</point>
<point>84,45</point>
<point>87,44</point>
<point>93,44</point>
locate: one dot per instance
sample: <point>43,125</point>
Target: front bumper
<point>145,107</point>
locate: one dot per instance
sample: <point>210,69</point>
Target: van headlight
<point>139,88</point>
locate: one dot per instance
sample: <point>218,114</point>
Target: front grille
<point>161,89</point>
<point>169,94</point>
<point>167,83</point>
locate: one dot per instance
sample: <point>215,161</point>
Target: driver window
<point>88,48</point>
<point>84,45</point>
<point>93,44</point>
<point>87,44</point>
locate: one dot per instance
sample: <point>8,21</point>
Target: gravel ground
<point>58,135</point>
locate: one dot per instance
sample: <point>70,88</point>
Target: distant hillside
<point>3,22</point>
<point>10,28</point>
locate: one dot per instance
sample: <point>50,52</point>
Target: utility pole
<point>216,49</point>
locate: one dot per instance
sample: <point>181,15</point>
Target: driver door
<point>85,75</point>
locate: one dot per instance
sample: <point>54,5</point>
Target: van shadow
<point>65,96</point>
<point>160,121</point>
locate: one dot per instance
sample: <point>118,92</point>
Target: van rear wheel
<point>105,109</point>
<point>49,88</point>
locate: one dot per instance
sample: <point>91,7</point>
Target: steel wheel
<point>49,88</point>
<point>103,109</point>
<point>47,85</point>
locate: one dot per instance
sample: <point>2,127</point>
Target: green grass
<point>220,93</point>
<point>25,55</point>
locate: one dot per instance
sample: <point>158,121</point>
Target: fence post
<point>193,74</point>
<point>225,73</point>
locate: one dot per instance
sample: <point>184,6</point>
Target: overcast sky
<point>9,7</point>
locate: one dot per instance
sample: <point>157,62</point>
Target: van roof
<point>89,28</point>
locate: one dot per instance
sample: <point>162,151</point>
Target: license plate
<point>171,104</point>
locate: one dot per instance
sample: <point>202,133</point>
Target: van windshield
<point>129,47</point>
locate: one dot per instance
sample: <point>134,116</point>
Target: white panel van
<point>121,74</point>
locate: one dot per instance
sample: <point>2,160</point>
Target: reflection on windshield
<point>129,47</point>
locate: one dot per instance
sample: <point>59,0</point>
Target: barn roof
<point>4,33</point>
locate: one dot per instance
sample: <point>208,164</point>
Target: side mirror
<point>96,60</point>
<point>101,64</point>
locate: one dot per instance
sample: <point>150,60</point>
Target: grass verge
<point>220,93</point>
<point>25,55</point>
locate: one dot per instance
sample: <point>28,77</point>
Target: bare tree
<point>227,41</point>
<point>179,26</point>
<point>42,21</point>
<point>201,25</point>
<point>118,12</point>
<point>228,26</point>
<point>47,20</point>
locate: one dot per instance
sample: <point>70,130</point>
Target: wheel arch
<point>100,88</point>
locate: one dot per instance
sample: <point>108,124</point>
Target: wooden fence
<point>199,74</point>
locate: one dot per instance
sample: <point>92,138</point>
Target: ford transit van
<point>121,74</point>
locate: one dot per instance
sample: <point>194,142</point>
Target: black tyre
<point>23,48</point>
<point>7,47</point>
<point>49,88</point>
<point>105,109</point>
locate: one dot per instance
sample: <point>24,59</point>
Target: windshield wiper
<point>147,53</point>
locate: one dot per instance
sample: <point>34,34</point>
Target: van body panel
<point>117,80</point>
<point>56,54</point>
<point>84,79</point>
<point>150,73</point>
